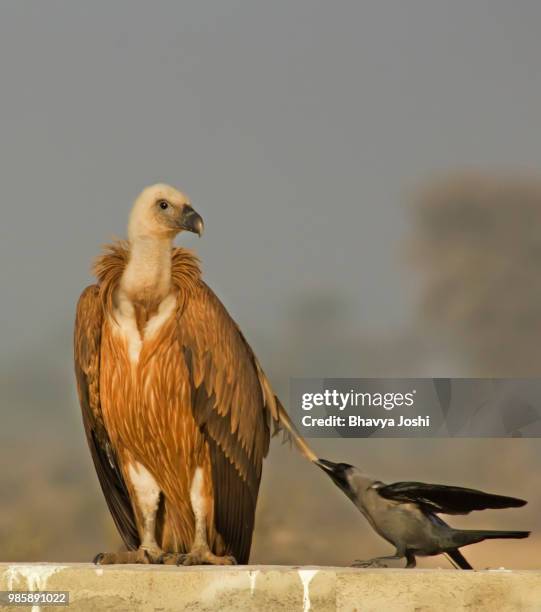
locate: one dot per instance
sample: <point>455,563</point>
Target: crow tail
<point>471,536</point>
<point>490,535</point>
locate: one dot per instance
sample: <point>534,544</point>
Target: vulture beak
<point>191,221</point>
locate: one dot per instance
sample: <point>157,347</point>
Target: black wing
<point>446,499</point>
<point>87,343</point>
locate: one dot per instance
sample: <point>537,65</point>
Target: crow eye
<point>163,204</point>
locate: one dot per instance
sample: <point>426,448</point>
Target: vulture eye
<point>163,204</point>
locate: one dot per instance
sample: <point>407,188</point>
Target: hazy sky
<point>297,127</point>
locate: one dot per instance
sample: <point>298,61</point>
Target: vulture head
<point>161,211</point>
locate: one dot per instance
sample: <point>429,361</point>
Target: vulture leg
<point>200,553</point>
<point>147,494</point>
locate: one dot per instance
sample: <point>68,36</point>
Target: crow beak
<point>337,472</point>
<point>327,466</point>
<point>191,221</point>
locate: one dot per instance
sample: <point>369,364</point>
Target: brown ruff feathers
<point>109,266</point>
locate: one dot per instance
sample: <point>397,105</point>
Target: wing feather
<point>231,408</point>
<point>87,340</point>
<point>446,499</point>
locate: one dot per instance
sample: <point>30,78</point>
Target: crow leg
<point>459,559</point>
<point>411,560</point>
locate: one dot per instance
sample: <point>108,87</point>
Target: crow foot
<point>380,561</point>
<point>368,563</point>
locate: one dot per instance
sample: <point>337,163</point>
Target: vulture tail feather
<point>290,432</point>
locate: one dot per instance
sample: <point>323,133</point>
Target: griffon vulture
<point>176,408</point>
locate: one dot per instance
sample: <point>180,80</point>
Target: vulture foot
<point>198,557</point>
<point>128,556</point>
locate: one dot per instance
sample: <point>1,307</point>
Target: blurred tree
<point>478,244</point>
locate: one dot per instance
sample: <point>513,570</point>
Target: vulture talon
<point>160,560</point>
<point>198,557</point>
<point>139,556</point>
<point>98,558</point>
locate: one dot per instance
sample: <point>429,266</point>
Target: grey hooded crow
<point>406,514</point>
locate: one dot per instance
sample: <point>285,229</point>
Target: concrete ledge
<point>306,589</point>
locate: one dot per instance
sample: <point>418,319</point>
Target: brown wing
<point>233,404</point>
<point>87,341</point>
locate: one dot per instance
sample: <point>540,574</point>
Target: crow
<point>406,514</point>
